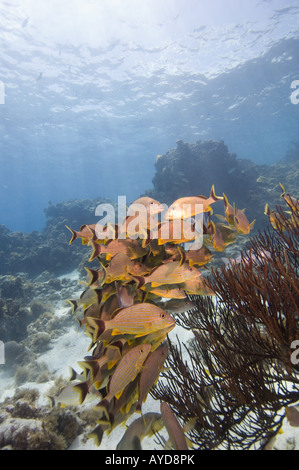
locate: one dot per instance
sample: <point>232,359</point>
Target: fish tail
<point>213,195</point>
<point>74,304</point>
<point>139,280</point>
<point>74,235</point>
<point>225,200</point>
<point>52,401</point>
<point>96,250</point>
<point>104,406</point>
<point>98,325</point>
<point>91,366</point>
<point>93,275</point>
<point>97,435</point>
<point>73,374</point>
<point>283,190</point>
<point>82,389</point>
<point>267,209</point>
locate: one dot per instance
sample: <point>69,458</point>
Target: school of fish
<point>129,303</point>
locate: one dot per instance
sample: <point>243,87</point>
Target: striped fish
<point>174,429</point>
<point>138,319</point>
<point>150,372</point>
<point>125,372</point>
<point>171,273</point>
<point>119,268</point>
<point>130,247</point>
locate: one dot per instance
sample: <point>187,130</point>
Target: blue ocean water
<point>91,91</point>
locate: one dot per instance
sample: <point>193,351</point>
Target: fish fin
<point>182,255</point>
<point>93,275</point>
<point>98,384</point>
<point>82,389</point>
<point>97,435</point>
<point>225,200</point>
<point>115,332</point>
<point>119,394</point>
<point>98,325</point>
<point>213,195</point>
<point>140,335</point>
<point>267,209</point>
<point>74,235</point>
<point>52,401</point>
<point>104,406</point>
<point>74,304</point>
<point>90,366</point>
<point>73,374</point>
<point>139,280</point>
<point>283,190</point>
<point>220,217</point>
<point>252,224</point>
<point>116,345</point>
<point>96,250</point>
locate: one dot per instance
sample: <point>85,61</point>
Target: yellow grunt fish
<point>197,287</point>
<point>152,206</point>
<point>145,426</point>
<point>151,370</point>
<point>86,233</point>
<point>190,206</point>
<point>198,257</point>
<point>174,429</point>
<point>275,219</point>
<point>138,320</point>
<point>176,231</point>
<point>167,292</point>
<point>171,273</point>
<point>291,201</point>
<point>229,211</point>
<point>130,247</point>
<point>242,224</point>
<point>125,372</point>
<point>86,299</point>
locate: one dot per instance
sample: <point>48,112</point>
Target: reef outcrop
<point>191,169</point>
<point>34,253</point>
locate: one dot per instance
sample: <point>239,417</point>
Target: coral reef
<point>32,253</point>
<point>25,426</point>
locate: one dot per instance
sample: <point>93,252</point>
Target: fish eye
<point>163,315</point>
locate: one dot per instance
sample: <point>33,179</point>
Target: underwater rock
<point>25,426</point>
<point>14,352</point>
<point>33,253</point>
<point>191,169</point>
